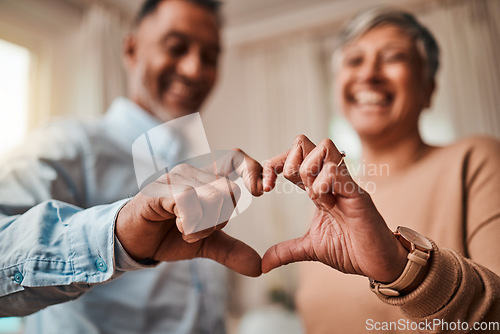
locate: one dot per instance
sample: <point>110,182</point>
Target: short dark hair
<point>149,7</point>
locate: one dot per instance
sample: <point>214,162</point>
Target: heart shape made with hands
<point>180,215</point>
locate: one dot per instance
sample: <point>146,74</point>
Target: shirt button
<point>101,265</point>
<point>18,277</point>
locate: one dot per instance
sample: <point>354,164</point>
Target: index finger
<point>236,163</point>
<point>250,171</point>
<point>289,163</point>
<point>272,168</point>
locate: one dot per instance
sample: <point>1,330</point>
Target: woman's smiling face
<point>382,83</point>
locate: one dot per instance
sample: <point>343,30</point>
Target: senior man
<point>67,229</point>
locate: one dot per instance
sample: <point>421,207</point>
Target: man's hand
<point>180,215</point>
<point>347,232</point>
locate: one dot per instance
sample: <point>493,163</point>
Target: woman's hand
<point>347,232</point>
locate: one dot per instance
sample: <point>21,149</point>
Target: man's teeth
<point>178,88</point>
<point>370,98</point>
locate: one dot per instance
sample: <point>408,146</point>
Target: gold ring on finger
<point>342,156</point>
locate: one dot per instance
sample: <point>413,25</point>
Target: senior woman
<point>440,271</point>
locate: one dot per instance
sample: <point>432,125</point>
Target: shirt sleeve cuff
<point>436,290</point>
<point>123,261</point>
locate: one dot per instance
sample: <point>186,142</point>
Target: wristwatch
<point>420,249</point>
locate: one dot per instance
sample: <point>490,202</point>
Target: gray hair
<point>377,16</point>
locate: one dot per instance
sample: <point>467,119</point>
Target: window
<point>14,83</point>
<point>14,94</point>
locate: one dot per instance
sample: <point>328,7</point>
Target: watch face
<point>415,237</point>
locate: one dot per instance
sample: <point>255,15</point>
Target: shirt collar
<point>127,122</point>
<point>128,119</point>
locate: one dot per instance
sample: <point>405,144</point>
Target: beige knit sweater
<point>452,196</point>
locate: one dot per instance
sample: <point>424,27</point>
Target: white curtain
<point>285,90</point>
<point>468,32</point>
<point>99,73</point>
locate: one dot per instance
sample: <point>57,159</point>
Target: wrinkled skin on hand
<point>347,232</point>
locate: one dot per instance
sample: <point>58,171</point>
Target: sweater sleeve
<point>482,203</point>
<point>466,288</point>
<point>456,292</point>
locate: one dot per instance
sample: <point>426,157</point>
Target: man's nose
<point>190,66</point>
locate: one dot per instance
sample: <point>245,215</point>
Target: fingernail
<point>311,194</point>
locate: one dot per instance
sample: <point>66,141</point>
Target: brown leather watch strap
<point>416,268</point>
<point>412,276</point>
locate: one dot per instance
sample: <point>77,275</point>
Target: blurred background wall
<point>62,57</point>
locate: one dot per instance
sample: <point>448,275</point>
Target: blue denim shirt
<point>59,197</point>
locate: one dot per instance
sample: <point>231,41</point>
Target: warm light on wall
<point>14,94</point>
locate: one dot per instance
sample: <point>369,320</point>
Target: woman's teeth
<point>370,98</point>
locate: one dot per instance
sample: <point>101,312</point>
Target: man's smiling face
<point>172,59</point>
